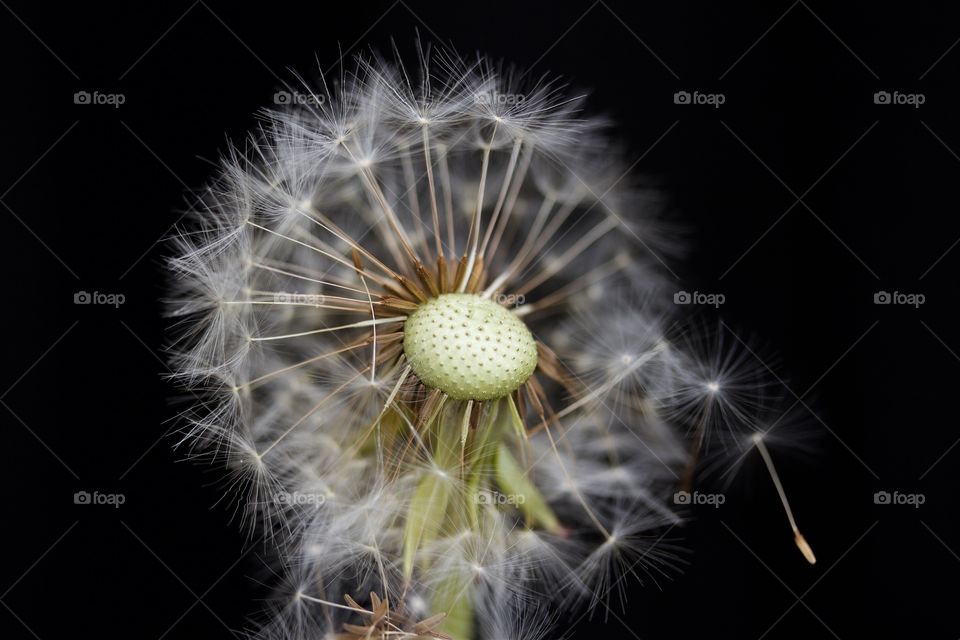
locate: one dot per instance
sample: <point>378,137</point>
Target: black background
<point>89,191</point>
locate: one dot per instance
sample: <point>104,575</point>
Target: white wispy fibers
<point>432,342</point>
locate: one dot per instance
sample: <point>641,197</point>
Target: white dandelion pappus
<point>435,355</point>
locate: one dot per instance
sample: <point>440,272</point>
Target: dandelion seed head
<point>427,323</point>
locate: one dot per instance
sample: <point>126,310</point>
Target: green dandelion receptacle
<point>469,347</point>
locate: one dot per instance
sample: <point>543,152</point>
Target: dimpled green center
<point>469,347</point>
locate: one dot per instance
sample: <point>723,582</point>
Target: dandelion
<point>433,347</point>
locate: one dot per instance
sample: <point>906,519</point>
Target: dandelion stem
<point>535,390</point>
<point>433,192</point>
<point>363,323</point>
<point>507,178</point>
<point>545,207</point>
<point>373,323</point>
<point>302,363</point>
<point>326,283</point>
<point>326,224</point>
<point>370,181</point>
<point>314,409</point>
<point>579,283</point>
<point>447,198</point>
<point>473,238</point>
<point>599,391</point>
<point>411,184</point>
<point>597,232</point>
<point>539,235</point>
<point>311,247</point>
<point>512,198</point>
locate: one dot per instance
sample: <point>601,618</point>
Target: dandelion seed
<point>800,541</point>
